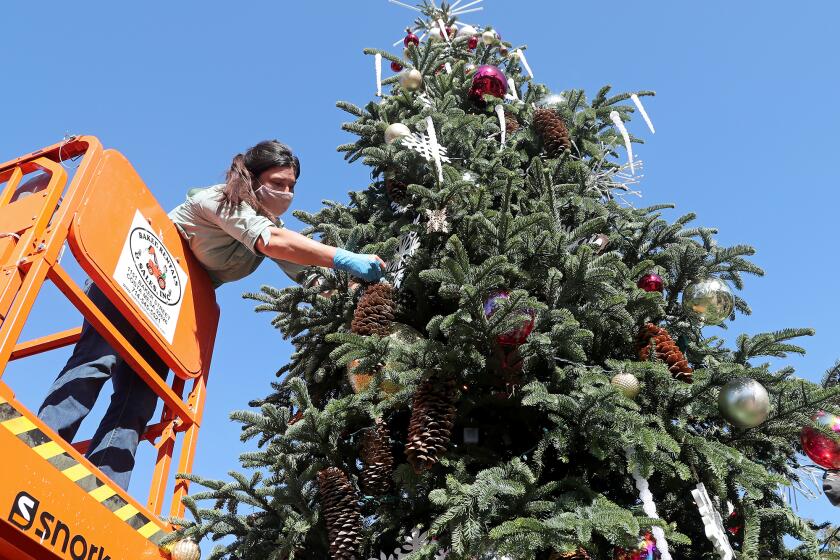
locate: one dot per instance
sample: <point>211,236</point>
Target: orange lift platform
<point>54,503</point>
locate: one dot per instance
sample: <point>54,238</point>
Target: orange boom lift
<point>53,502</point>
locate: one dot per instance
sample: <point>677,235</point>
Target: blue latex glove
<point>366,267</point>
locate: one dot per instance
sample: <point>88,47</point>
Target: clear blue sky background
<point>744,118</point>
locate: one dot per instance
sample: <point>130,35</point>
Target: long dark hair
<point>242,177</point>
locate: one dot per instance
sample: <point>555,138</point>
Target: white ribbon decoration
<point>712,523</point>
<point>616,119</point>
<point>443,29</point>
<point>524,62</point>
<point>448,68</point>
<point>500,112</point>
<point>649,506</point>
<point>378,61</point>
<point>642,111</point>
<point>511,94</point>
<point>433,144</point>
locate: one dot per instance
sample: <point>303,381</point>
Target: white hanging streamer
<point>444,30</point>
<point>511,94</point>
<point>649,506</point>
<point>433,144</point>
<point>712,523</point>
<point>616,119</point>
<point>500,112</point>
<point>644,114</point>
<point>378,61</point>
<point>448,68</point>
<point>524,62</point>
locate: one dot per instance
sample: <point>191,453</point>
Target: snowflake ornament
<point>427,146</point>
<point>437,222</point>
<point>712,523</point>
<point>408,244</point>
<point>413,542</point>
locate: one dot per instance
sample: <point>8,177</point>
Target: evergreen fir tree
<point>537,460</point>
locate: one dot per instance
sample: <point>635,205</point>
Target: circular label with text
<point>155,266</point>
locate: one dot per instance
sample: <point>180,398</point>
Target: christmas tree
<point>538,376</point>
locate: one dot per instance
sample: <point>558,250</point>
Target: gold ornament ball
<point>186,549</point>
<point>360,381</point>
<point>627,384</point>
<point>711,299</point>
<point>744,402</point>
<point>396,131</point>
<point>411,79</point>
<point>488,37</point>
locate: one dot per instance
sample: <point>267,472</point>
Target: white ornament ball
<point>186,549</point>
<point>627,384</point>
<point>406,53</point>
<point>469,67</point>
<point>711,299</point>
<point>411,79</point>
<point>744,402</point>
<point>467,31</point>
<point>488,37</point>
<point>435,34</point>
<point>396,131</point>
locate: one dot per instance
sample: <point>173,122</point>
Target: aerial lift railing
<point>103,215</point>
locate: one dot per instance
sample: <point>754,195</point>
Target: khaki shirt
<point>224,242</point>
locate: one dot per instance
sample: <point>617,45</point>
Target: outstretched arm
<point>288,245</point>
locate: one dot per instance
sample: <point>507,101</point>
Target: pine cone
<point>406,303</point>
<point>340,507</point>
<point>551,128</point>
<point>378,460</point>
<point>511,124</point>
<point>375,311</point>
<point>397,190</point>
<point>665,349</point>
<point>430,427</point>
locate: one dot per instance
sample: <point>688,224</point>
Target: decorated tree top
<point>539,376</point>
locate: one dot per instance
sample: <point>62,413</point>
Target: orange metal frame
<point>33,231</point>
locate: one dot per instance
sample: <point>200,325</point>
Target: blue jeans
<point>76,388</point>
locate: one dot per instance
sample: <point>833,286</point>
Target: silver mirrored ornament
<point>744,402</point>
<point>710,299</point>
<point>831,487</point>
<point>627,384</point>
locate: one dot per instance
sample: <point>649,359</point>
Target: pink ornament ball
<point>411,39</point>
<point>472,42</point>
<point>396,66</point>
<point>515,337</point>
<point>822,450</point>
<point>651,282</point>
<point>488,80</point>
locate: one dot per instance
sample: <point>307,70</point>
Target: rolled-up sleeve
<point>243,224</point>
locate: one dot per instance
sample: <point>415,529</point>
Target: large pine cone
<point>378,460</point>
<point>430,427</point>
<point>511,124</point>
<point>375,311</point>
<point>340,507</point>
<point>551,128</point>
<point>665,349</point>
<point>397,190</point>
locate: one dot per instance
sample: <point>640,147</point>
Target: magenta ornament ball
<point>515,337</point>
<point>651,282</point>
<point>822,450</point>
<point>488,80</point>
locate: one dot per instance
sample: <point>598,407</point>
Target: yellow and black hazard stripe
<point>54,454</point>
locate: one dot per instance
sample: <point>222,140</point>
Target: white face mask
<point>274,201</point>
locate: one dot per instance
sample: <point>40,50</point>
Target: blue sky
<point>744,115</point>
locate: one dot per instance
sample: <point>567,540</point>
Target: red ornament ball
<point>651,282</point>
<point>396,66</point>
<point>411,39</point>
<point>472,42</point>
<point>517,336</point>
<point>822,450</point>
<point>488,80</point>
